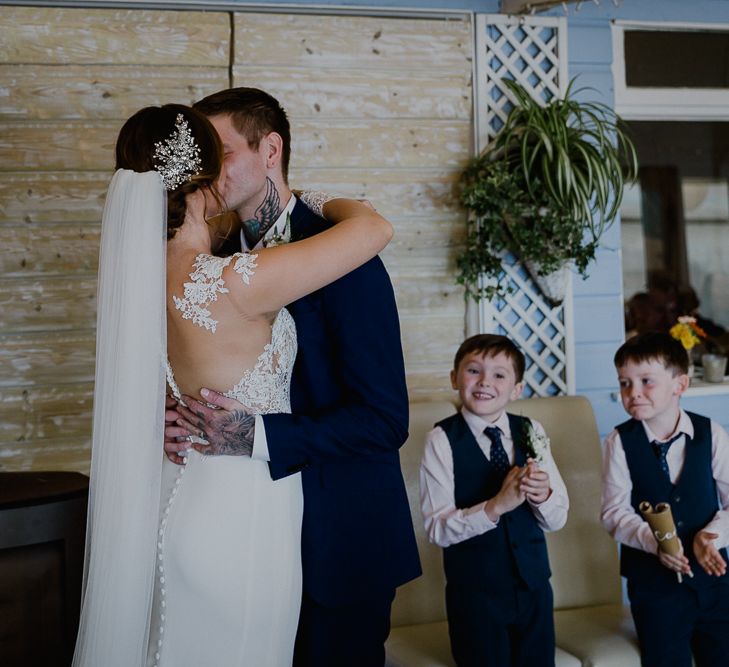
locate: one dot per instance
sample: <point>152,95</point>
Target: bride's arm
<point>274,277</point>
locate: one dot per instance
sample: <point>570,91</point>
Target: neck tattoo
<point>265,216</point>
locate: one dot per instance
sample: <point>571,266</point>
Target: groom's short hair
<point>254,113</point>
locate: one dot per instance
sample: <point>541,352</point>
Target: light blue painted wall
<point>598,300</point>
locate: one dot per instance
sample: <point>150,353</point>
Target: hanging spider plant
<point>545,189</point>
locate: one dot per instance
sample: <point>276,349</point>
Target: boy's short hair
<point>654,346</point>
<point>491,345</point>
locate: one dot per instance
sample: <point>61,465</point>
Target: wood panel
<point>94,92</point>
<point>45,249</point>
<point>58,196</point>
<point>52,196</point>
<point>438,296</point>
<point>48,303</point>
<point>44,358</point>
<point>424,384</point>
<point>68,80</point>
<point>70,145</point>
<point>420,246</point>
<point>279,40</point>
<point>410,93</point>
<point>405,144</point>
<point>72,454</point>
<point>380,108</point>
<point>424,191</point>
<point>104,36</point>
<point>60,411</point>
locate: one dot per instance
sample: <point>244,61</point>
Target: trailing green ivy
<point>545,189</point>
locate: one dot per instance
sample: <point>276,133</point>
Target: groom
<point>349,401</point>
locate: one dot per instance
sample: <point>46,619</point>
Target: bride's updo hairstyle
<point>137,142</point>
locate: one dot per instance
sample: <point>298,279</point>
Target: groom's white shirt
<point>260,444</point>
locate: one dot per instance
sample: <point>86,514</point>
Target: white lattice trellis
<point>531,50</point>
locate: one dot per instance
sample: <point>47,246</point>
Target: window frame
<point>668,104</point>
<point>687,104</point>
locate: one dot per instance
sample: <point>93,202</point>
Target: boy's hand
<point>535,483</point>
<point>509,496</point>
<point>707,554</point>
<point>677,563</point>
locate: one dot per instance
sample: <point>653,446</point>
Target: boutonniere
<point>536,443</point>
<point>280,238</point>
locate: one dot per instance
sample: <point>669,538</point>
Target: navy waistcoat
<point>513,553</point>
<point>693,501</point>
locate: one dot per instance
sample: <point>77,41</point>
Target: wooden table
<point>42,533</point>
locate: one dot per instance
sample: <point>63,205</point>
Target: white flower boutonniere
<point>537,444</point>
<point>280,238</point>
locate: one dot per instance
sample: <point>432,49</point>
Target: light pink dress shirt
<point>617,514</point>
<point>444,523</point>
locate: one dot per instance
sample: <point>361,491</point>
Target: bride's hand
<point>227,427</point>
<point>176,443</point>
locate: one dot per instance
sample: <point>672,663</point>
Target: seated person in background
<point>688,304</point>
<point>489,487</point>
<point>663,289</point>
<point>643,313</point>
<point>663,454</point>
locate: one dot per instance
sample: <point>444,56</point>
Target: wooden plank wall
<point>380,107</point>
<point>68,79</point>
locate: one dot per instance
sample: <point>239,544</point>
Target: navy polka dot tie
<point>497,455</point>
<point>661,449</point>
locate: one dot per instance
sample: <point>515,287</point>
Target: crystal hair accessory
<point>177,159</point>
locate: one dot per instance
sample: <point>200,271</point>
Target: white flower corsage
<point>280,238</point>
<point>537,444</point>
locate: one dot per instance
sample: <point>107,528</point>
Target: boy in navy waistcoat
<point>489,487</point>
<point>664,454</point>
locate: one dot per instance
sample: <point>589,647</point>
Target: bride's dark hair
<point>136,144</point>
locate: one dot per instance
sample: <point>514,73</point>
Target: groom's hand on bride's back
<point>224,429</point>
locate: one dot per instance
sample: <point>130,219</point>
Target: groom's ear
<point>272,143</point>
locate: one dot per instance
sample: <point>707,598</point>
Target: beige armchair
<point>593,627</point>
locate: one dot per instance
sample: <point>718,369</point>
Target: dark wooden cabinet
<point>42,529</point>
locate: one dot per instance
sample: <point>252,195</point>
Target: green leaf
<point>546,188</point>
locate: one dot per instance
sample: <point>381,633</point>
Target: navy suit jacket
<point>350,417</point>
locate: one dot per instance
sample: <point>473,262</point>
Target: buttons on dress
<point>160,557</point>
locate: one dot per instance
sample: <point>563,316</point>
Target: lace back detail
<point>264,388</point>
<point>207,283</point>
<point>171,381</point>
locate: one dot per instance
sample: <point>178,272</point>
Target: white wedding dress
<point>228,582</point>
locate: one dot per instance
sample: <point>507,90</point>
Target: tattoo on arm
<point>265,216</point>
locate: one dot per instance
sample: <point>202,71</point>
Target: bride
<point>195,564</point>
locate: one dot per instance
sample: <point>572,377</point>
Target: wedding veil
<point>128,425</point>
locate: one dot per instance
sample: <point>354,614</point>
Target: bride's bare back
<point>226,341</point>
<point>220,311</point>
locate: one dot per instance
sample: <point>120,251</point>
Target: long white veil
<point>128,426</point>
